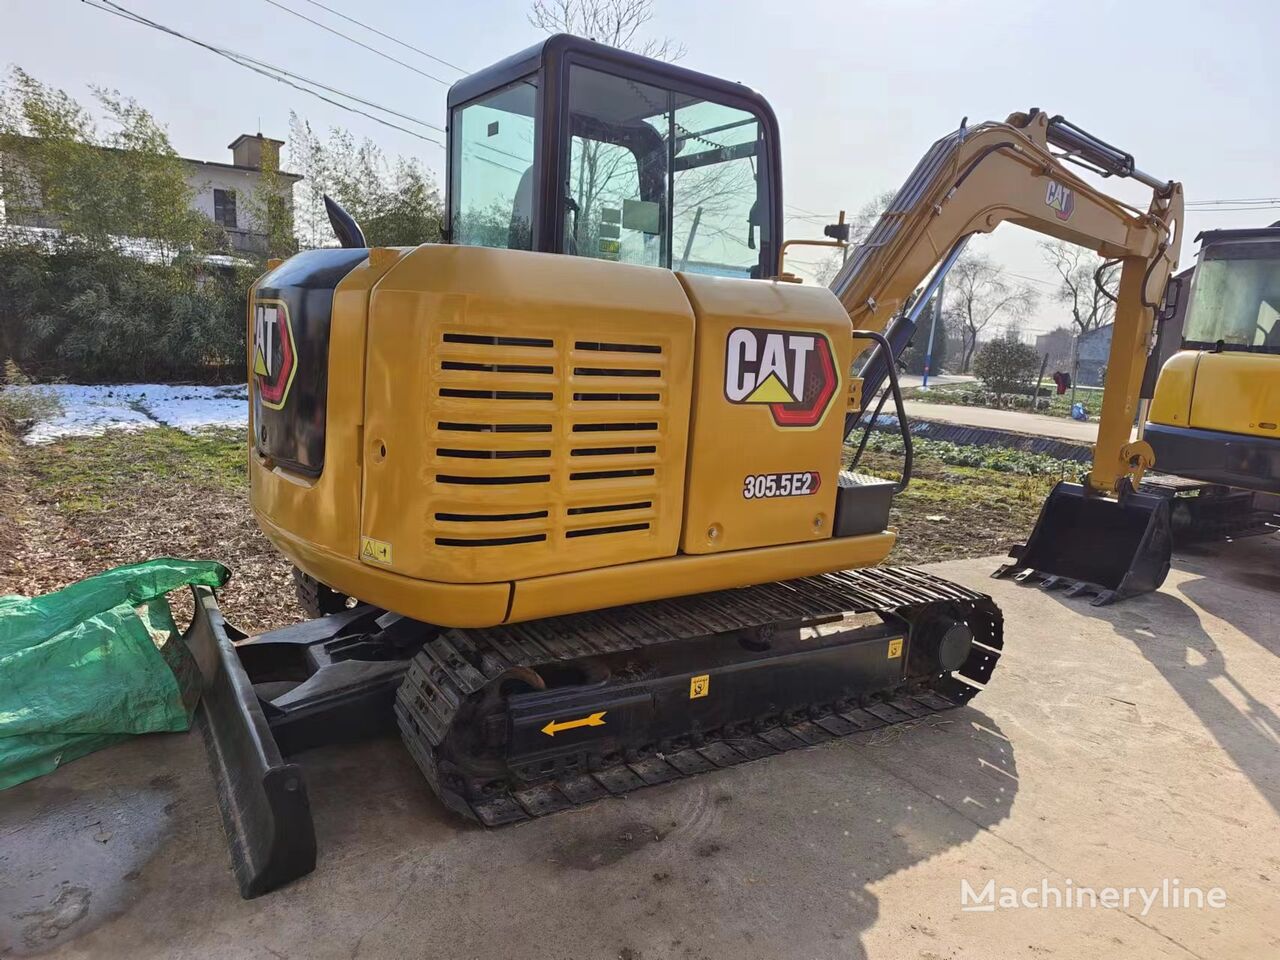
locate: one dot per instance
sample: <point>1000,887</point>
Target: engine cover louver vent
<point>574,426</point>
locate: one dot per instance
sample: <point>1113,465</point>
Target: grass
<point>91,503</point>
<point>92,475</point>
<point>10,494</point>
<point>973,394</point>
<point>950,511</point>
<point>998,459</point>
<point>79,506</point>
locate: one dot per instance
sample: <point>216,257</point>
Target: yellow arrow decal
<point>556,726</point>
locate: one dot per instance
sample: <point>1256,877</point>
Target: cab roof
<point>1239,233</point>
<point>560,45</point>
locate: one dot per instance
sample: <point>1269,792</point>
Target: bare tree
<point>615,22</point>
<point>1076,268</point>
<point>604,172</point>
<point>977,294</point>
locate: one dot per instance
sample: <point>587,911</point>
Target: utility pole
<point>1075,366</point>
<point>933,329</point>
<point>1035,399</point>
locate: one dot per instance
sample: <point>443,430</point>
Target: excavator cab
<point>1213,413</point>
<point>577,148</point>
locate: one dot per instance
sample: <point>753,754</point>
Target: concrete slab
<point>1015,421</point>
<point>1121,746</point>
<point>935,379</point>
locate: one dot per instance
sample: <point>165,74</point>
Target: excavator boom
<point>1098,535</point>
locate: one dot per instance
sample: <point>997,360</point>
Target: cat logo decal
<point>275,355</point>
<point>792,372</point>
<point>1062,199</point>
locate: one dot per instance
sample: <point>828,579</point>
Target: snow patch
<point>90,411</point>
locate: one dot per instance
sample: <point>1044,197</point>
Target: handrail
<point>904,427</point>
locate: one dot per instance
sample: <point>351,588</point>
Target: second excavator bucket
<point>1086,543</point>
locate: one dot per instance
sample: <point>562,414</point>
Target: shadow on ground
<point>122,853</point>
<point>1168,632</point>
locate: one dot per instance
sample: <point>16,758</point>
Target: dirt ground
<point>81,506</point>
<point>77,507</point>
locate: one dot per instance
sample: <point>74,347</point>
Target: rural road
<point>936,380</point>
<point>1018,421</point>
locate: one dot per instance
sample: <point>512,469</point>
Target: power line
<point>1265,206</point>
<point>811,213</point>
<point>1020,276</point>
<point>387,36</point>
<point>1206,203</point>
<point>279,74</point>
<point>350,96</point>
<point>358,43</point>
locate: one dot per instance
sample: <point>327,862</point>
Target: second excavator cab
<point>1214,414</point>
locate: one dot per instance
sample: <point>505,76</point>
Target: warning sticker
<point>895,648</point>
<point>375,550</point>
<point>699,686</point>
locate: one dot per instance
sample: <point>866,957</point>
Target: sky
<point>860,89</point>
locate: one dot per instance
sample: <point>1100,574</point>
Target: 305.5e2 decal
<point>761,486</point>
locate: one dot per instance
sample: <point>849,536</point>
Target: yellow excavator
<point>1207,413</point>
<point>1212,391</point>
<point>565,492</point>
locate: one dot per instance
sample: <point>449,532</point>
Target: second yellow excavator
<point>1212,388</point>
<point>565,493</point>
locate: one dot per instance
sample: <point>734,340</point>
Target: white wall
<point>204,179</point>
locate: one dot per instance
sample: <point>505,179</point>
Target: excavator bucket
<point>1088,544</point>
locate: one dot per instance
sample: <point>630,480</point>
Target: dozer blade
<point>263,799</point>
<point>1086,543</point>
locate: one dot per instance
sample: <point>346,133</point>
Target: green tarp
<point>93,663</point>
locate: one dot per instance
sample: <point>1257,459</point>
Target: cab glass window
<point>492,169</point>
<point>1236,298</point>
<point>716,212</point>
<point>616,204</point>
<point>662,178</point>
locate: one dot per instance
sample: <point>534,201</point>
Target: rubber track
<point>458,663</point>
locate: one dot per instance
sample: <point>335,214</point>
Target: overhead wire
<point>1205,203</point>
<point>387,36</point>
<point>279,74</point>
<point>358,43</point>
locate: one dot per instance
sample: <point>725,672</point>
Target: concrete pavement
<point>1016,421</point>
<point>935,380</point>
<point>1120,746</point>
